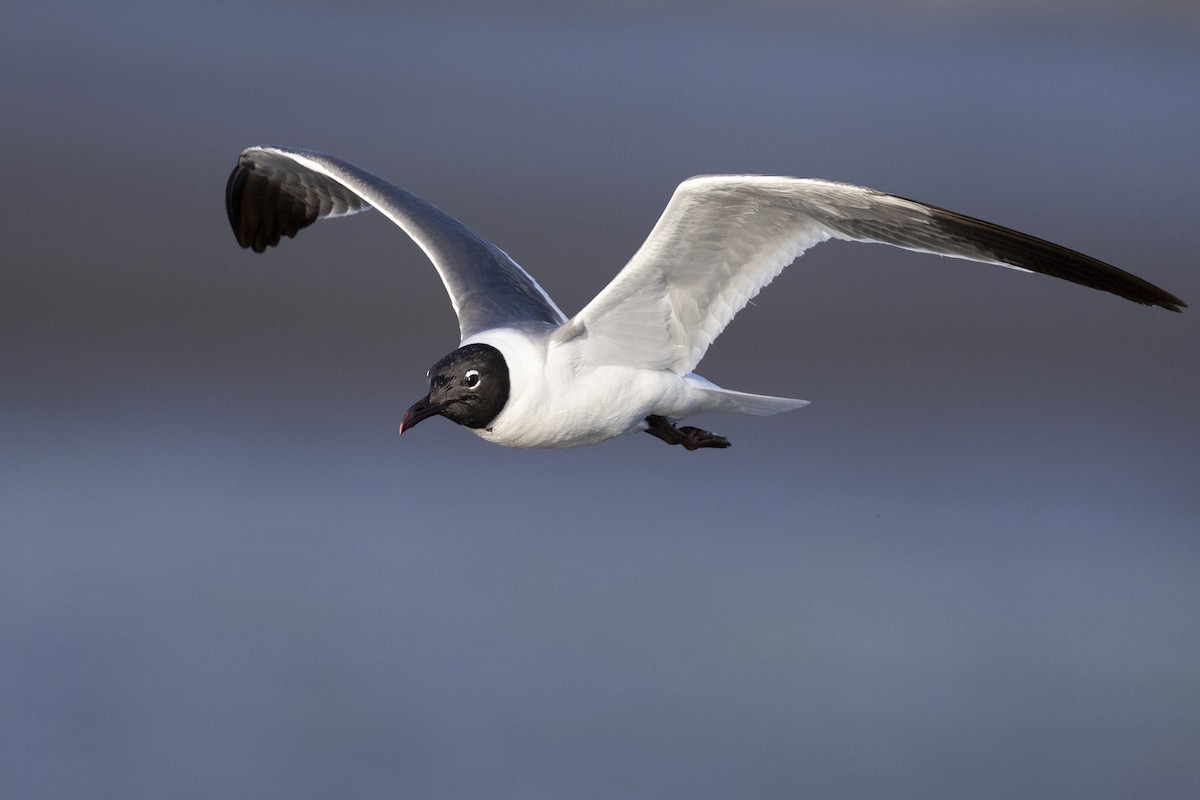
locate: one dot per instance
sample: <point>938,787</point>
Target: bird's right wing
<point>276,191</point>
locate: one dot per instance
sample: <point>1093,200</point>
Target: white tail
<point>742,402</point>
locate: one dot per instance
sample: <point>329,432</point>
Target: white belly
<point>595,405</point>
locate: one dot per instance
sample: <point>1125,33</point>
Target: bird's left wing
<point>276,191</point>
<point>722,238</point>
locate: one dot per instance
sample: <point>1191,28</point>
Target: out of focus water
<point>969,569</point>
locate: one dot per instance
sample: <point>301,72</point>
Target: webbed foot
<point>691,438</point>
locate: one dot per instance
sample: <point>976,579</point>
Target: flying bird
<point>526,375</point>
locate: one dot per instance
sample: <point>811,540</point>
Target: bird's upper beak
<point>418,411</point>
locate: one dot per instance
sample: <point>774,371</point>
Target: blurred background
<point>971,568</point>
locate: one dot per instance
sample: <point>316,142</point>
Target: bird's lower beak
<point>418,411</point>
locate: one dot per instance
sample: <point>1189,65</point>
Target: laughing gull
<point>525,375</point>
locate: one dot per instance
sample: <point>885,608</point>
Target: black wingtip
<point>262,209</point>
<point>235,189</point>
<point>1172,303</point>
<point>1038,255</point>
<point>1141,291</point>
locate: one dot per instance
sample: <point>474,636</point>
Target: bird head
<point>469,386</point>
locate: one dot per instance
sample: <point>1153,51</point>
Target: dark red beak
<point>422,409</point>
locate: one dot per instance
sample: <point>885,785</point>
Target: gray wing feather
<point>275,192</point>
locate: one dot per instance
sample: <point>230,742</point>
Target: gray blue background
<point>970,569</point>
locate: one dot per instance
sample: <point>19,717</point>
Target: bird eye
<point>471,379</point>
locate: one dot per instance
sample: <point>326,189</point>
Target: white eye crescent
<point>471,378</point>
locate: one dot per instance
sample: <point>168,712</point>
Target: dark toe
<point>695,438</point>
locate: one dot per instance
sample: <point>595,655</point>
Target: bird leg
<point>691,438</point>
